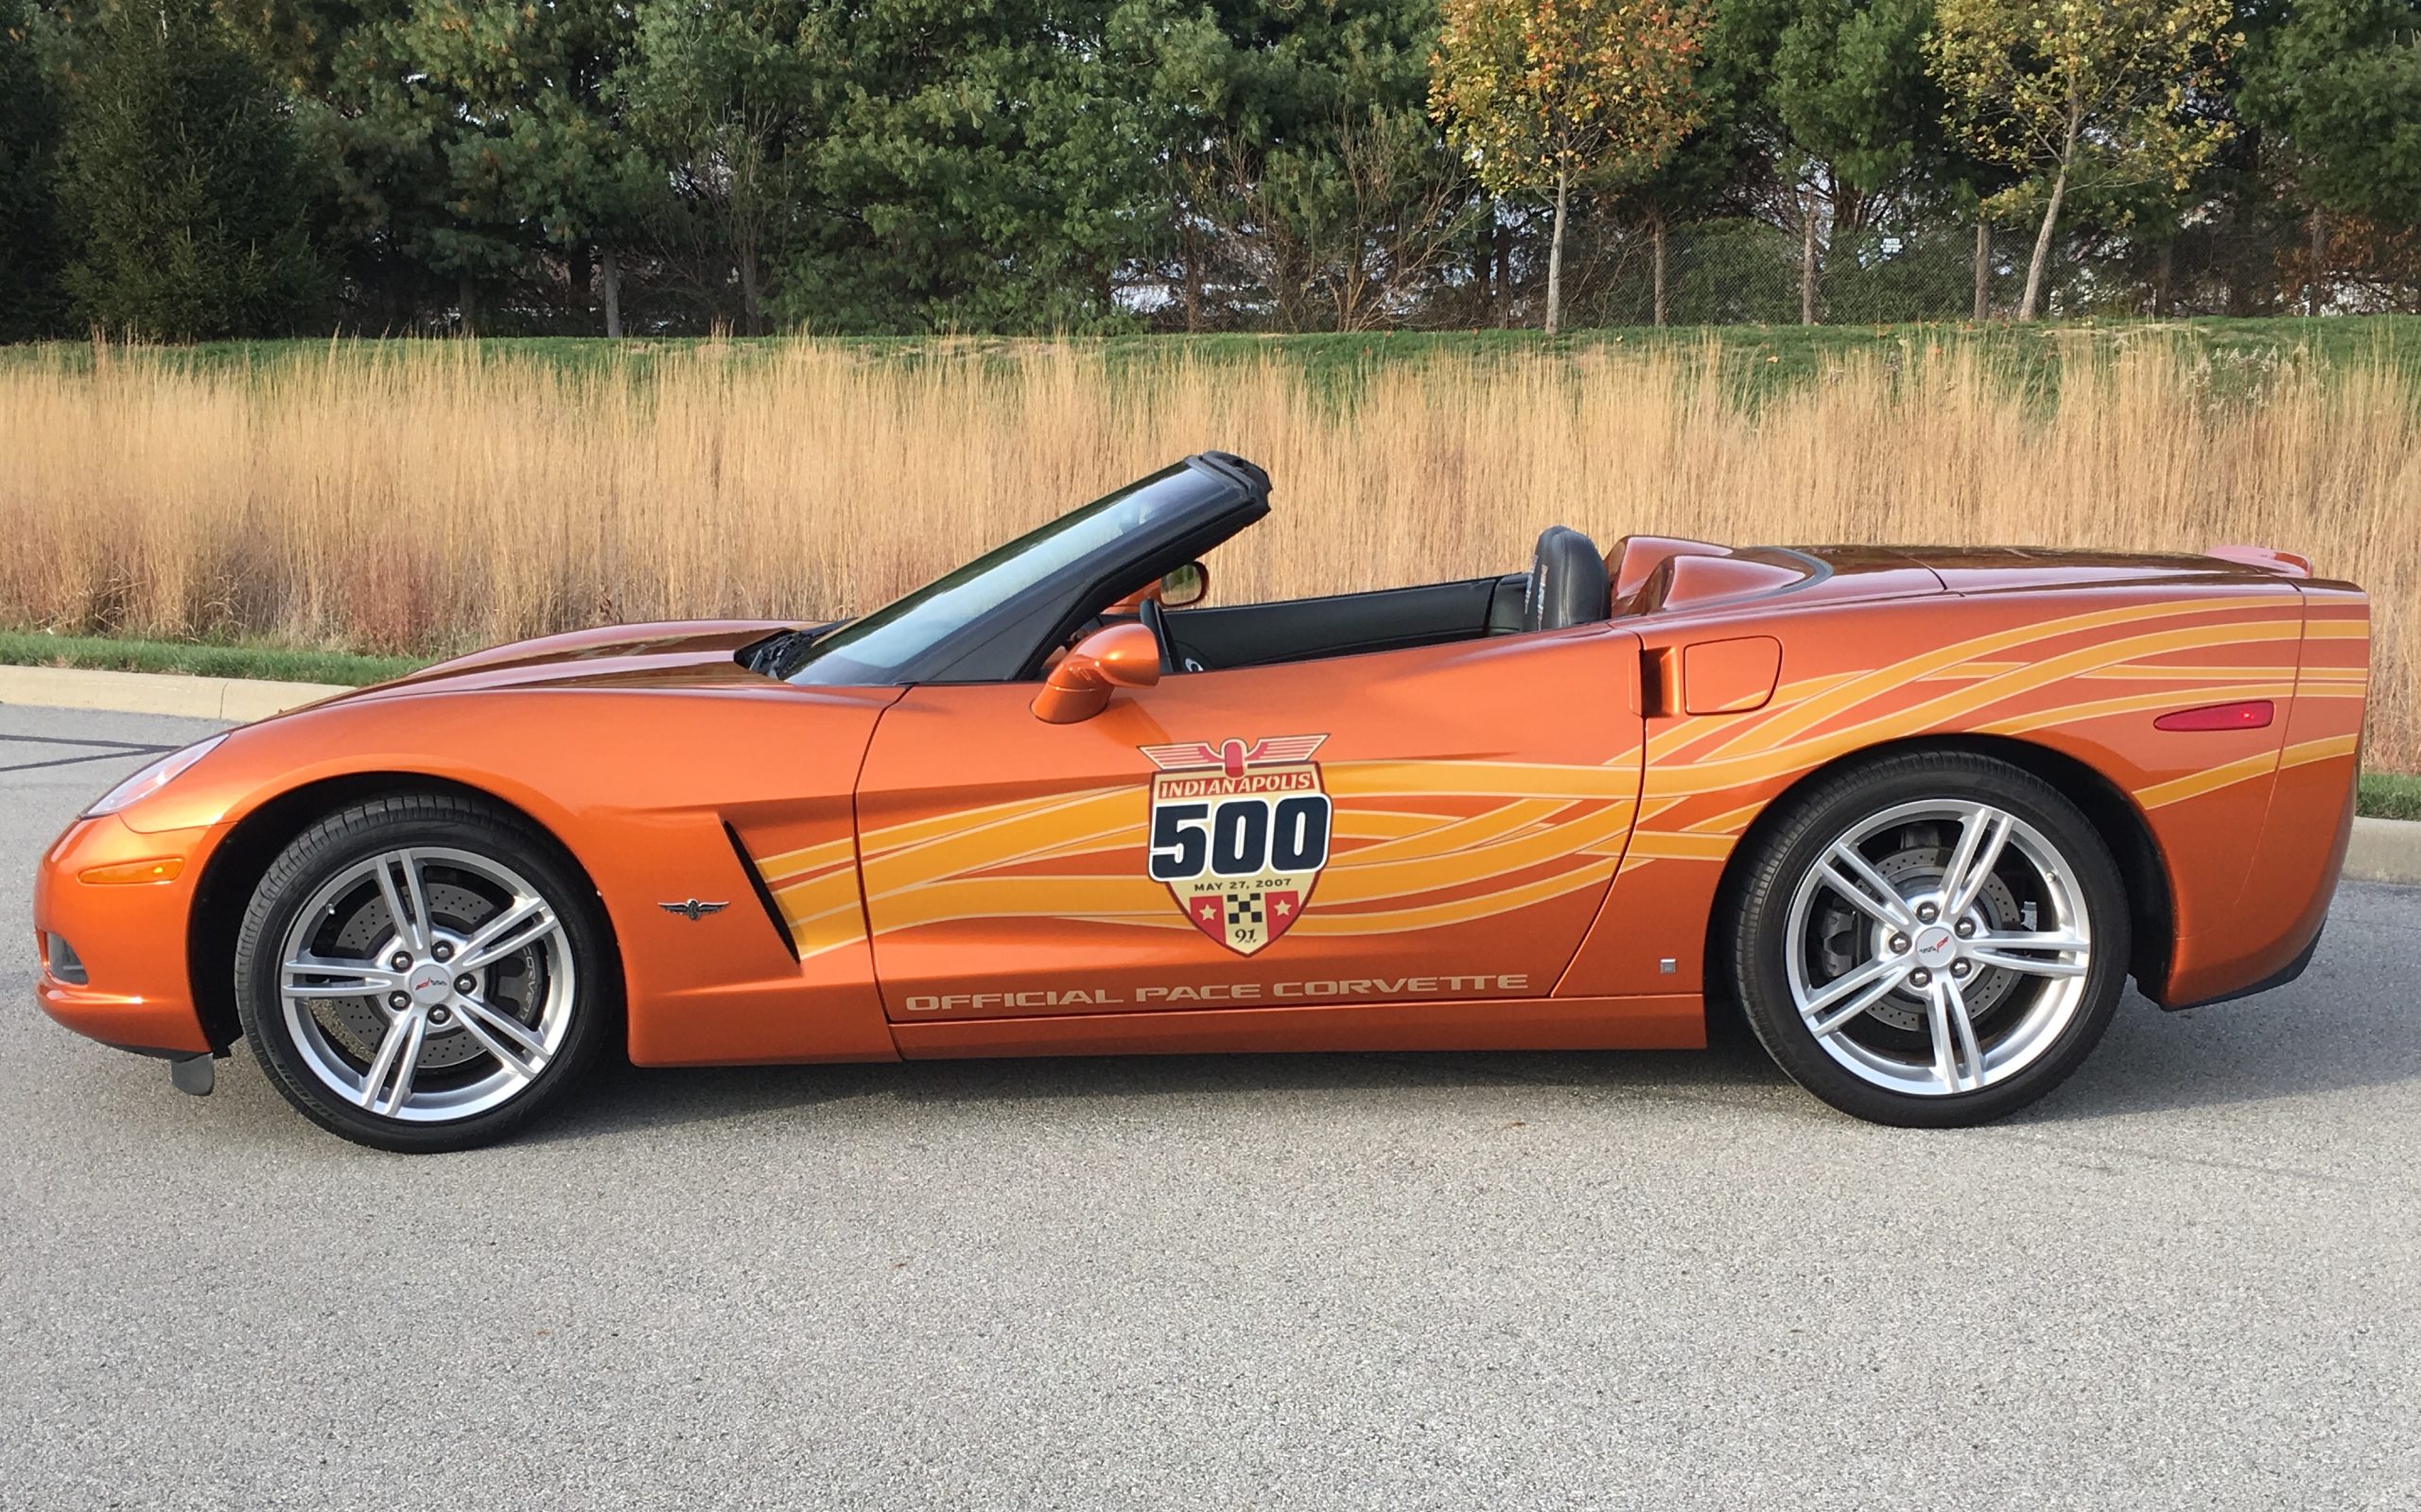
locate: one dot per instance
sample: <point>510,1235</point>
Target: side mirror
<point>1124,655</point>
<point>1187,584</point>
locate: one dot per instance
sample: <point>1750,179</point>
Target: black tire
<point>360,833</point>
<point>1756,942</point>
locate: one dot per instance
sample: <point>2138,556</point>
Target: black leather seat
<point>1568,582</point>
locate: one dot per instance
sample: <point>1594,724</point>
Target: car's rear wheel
<point>421,973</point>
<point>1935,939</point>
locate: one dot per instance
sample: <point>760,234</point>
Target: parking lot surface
<point>1452,1282</point>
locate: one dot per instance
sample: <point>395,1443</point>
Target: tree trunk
<point>1192,252</point>
<point>1483,276</point>
<point>2164,279</point>
<point>1189,249</point>
<point>2032,304</point>
<point>609,272</point>
<point>1555,252</point>
<point>749,212</point>
<point>1656,263</point>
<point>1503,235</point>
<point>1807,260</point>
<point>2316,287</point>
<point>1983,310</point>
<point>751,315</point>
<point>582,263</point>
<point>467,293</point>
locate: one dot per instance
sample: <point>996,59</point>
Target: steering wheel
<point>1155,619</point>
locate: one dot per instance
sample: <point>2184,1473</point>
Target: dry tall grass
<point>434,497</point>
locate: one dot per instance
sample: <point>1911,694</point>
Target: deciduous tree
<point>1540,92</point>
<point>1361,223</point>
<point>2079,93</point>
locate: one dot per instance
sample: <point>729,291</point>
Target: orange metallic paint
<point>1674,1021</point>
<point>1522,831</point>
<point>131,939</point>
<point>2084,675</point>
<point>1481,794</point>
<point>1735,676</point>
<point>634,762</point>
<point>2303,827</point>
<point>1079,684</point>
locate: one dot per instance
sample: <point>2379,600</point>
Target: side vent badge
<point>693,910</point>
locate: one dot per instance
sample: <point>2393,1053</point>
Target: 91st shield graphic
<point>1239,834</point>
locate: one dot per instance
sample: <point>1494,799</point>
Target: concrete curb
<point>2384,850</point>
<point>192,698</point>
<point>2381,850</point>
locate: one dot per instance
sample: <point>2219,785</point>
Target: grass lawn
<point>2240,353</point>
<point>2384,796</point>
<point>2387,796</point>
<point>279,664</point>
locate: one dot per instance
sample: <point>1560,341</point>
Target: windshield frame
<point>1008,631</point>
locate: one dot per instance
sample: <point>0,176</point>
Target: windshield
<point>875,649</point>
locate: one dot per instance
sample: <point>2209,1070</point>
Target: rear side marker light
<point>2254,714</point>
<point>162,869</point>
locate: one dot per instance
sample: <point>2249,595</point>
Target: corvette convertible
<point>1919,814</point>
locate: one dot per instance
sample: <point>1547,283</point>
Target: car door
<point>1429,823</point>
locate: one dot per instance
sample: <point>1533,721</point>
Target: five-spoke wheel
<point>1935,938</point>
<point>420,973</point>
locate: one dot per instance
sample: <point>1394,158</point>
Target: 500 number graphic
<point>1248,835</point>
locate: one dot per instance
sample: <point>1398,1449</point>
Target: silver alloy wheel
<point>1939,947</point>
<point>428,984</point>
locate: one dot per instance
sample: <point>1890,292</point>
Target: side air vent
<point>764,894</point>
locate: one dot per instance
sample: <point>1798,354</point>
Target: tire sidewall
<point>354,835</point>
<point>1762,938</point>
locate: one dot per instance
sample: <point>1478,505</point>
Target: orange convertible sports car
<point>1920,813</point>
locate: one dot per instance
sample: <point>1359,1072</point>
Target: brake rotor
<point>1851,939</point>
<point>358,1024</point>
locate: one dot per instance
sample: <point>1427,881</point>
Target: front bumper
<point>130,936</point>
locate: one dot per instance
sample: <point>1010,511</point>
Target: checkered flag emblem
<point>1243,910</point>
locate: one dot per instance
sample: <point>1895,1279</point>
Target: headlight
<point>152,778</point>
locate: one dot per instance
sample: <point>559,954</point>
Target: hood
<point>672,654</point>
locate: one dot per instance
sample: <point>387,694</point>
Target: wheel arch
<point>237,863</point>
<point>2122,825</point>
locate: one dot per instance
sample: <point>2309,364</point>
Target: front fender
<point>646,789</point>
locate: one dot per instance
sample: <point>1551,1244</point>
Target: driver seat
<point>1568,584</point>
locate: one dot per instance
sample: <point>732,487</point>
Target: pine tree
<point>32,302</point>
<point>182,167</point>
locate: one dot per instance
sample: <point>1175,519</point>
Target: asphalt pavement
<point>1451,1281</point>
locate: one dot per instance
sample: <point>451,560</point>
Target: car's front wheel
<point>1936,939</point>
<point>421,973</point>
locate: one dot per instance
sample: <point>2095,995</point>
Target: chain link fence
<point>1732,272</point>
